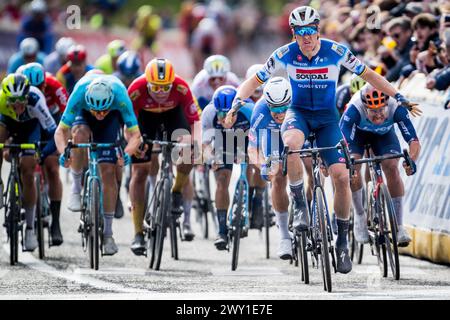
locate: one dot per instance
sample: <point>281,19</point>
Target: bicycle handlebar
<point>18,146</point>
<point>378,159</point>
<point>91,145</point>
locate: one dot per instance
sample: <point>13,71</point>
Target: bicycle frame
<point>243,178</point>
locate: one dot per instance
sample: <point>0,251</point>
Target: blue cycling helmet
<point>34,72</point>
<point>129,64</point>
<point>99,95</point>
<point>223,98</point>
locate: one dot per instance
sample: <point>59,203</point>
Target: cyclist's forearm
<point>379,82</point>
<point>247,88</point>
<point>414,150</point>
<point>255,157</point>
<point>134,141</point>
<point>62,135</point>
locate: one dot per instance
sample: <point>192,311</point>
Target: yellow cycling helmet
<point>116,48</point>
<point>160,72</point>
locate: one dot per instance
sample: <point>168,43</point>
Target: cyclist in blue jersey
<point>128,67</point>
<point>312,65</point>
<point>370,119</point>
<point>28,52</point>
<point>216,141</point>
<point>97,108</point>
<point>264,143</point>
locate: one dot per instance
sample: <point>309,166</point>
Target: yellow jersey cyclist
<point>312,65</point>
<point>23,111</point>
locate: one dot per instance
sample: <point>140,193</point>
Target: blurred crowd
<point>399,38</point>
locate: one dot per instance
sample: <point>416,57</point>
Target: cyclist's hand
<point>125,160</point>
<point>324,170</point>
<point>412,107</point>
<point>232,114</point>
<point>410,170</point>
<point>63,162</point>
<point>140,152</point>
<point>265,172</point>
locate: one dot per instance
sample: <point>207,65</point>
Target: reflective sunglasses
<point>101,113</point>
<point>306,31</point>
<point>159,88</point>
<point>279,110</point>
<point>13,100</point>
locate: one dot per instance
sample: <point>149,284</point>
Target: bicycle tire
<point>94,235</point>
<point>39,212</point>
<point>236,227</point>
<point>161,225</point>
<point>325,254</point>
<point>173,237</point>
<point>267,221</point>
<point>303,254</point>
<point>151,234</point>
<point>390,232</point>
<point>13,219</point>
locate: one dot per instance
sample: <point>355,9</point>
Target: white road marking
<point>247,271</point>
<point>30,261</point>
<point>110,271</point>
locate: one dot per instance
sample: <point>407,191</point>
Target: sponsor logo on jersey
<point>338,49</point>
<point>299,58</point>
<point>312,74</point>
<point>270,65</point>
<point>282,52</point>
<point>182,89</point>
<point>300,64</point>
<point>134,95</point>
<point>193,109</point>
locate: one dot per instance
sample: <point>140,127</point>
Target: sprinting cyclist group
<point>263,114</point>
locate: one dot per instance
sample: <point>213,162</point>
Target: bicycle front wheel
<point>325,248</point>
<point>13,217</point>
<point>236,226</point>
<point>173,237</point>
<point>150,216</point>
<point>39,216</point>
<point>390,231</point>
<point>161,224</point>
<point>267,221</point>
<point>94,224</point>
<point>303,254</point>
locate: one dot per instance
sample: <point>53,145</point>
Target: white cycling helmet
<point>278,92</point>
<point>99,95</point>
<point>303,16</point>
<point>63,45</point>
<point>29,46</point>
<point>252,70</point>
<point>217,66</point>
<point>38,6</point>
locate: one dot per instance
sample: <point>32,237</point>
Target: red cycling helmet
<point>77,54</point>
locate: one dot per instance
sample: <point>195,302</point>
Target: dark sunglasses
<point>17,99</point>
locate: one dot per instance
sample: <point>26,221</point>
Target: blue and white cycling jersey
<point>313,81</point>
<point>355,118</point>
<point>121,102</point>
<point>265,133</point>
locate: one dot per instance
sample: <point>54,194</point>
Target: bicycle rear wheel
<point>390,231</point>
<point>161,224</point>
<point>173,237</point>
<point>324,252</point>
<point>302,241</point>
<point>39,227</point>
<point>94,224</point>
<point>236,226</point>
<point>267,221</point>
<point>13,218</point>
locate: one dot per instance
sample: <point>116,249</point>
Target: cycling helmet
<point>34,72</point>
<point>278,92</point>
<point>373,98</point>
<point>15,85</point>
<point>77,54</point>
<point>303,16</point>
<point>356,83</point>
<point>116,48</point>
<point>29,46</point>
<point>252,70</point>
<point>217,66</point>
<point>160,72</point>
<point>129,63</point>
<point>38,6</point>
<point>99,95</point>
<point>223,98</point>
<point>63,45</point>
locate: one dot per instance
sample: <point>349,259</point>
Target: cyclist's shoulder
<point>181,86</point>
<point>286,51</point>
<point>51,81</point>
<point>333,48</point>
<point>35,96</point>
<point>200,78</point>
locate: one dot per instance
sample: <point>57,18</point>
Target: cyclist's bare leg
<point>109,186</point>
<point>294,139</point>
<point>27,166</point>
<point>223,177</point>
<point>188,196</point>
<point>80,134</point>
<point>154,169</point>
<point>51,169</point>
<point>139,173</point>
<point>395,185</point>
<point>308,168</point>
<point>3,136</point>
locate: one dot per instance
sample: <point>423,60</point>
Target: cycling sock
<point>298,192</point>
<point>108,218</point>
<point>222,217</point>
<point>283,224</point>
<point>180,181</point>
<point>187,205</point>
<point>398,206</point>
<point>29,216</point>
<point>137,212</point>
<point>341,241</point>
<point>55,208</point>
<point>76,181</point>
<point>357,202</point>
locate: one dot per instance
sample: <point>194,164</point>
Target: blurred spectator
<point>147,25</point>
<point>54,61</point>
<point>207,39</point>
<point>399,29</point>
<point>11,10</point>
<point>107,62</point>
<point>359,41</point>
<point>425,29</point>
<point>190,16</point>
<point>37,24</point>
<point>440,78</point>
<point>28,52</point>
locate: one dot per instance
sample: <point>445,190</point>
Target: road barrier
<point>427,193</point>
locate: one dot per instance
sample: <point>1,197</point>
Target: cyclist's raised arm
<point>401,117</point>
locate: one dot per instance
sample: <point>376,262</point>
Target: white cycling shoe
<point>360,228</point>
<point>74,202</point>
<point>285,249</point>
<point>403,238</point>
<point>31,242</point>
